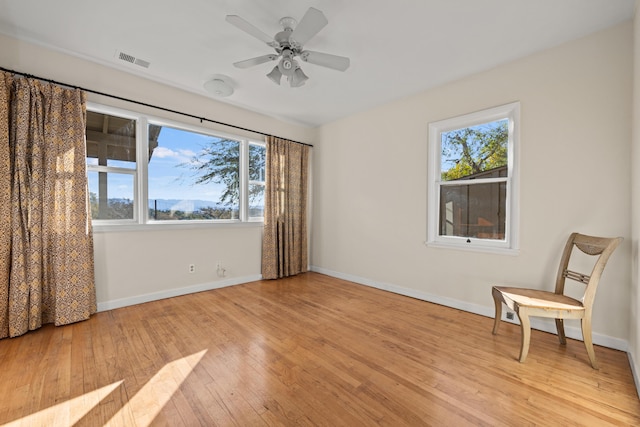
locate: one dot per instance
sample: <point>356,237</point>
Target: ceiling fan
<point>288,45</point>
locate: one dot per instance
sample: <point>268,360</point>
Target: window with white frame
<point>112,143</point>
<point>473,180</point>
<point>145,170</point>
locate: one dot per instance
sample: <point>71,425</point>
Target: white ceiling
<point>397,48</point>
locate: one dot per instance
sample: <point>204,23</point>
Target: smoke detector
<point>219,86</point>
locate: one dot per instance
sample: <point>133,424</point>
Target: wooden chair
<point>532,302</point>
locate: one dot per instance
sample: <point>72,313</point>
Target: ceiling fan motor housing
<point>287,64</point>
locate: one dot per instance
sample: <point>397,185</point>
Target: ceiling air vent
<point>132,59</point>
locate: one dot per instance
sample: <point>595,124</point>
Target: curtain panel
<point>284,244</point>
<point>46,242</point>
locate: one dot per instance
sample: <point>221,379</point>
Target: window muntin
<point>472,176</point>
<point>167,172</point>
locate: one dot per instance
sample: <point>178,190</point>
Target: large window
<point>143,170</point>
<point>472,180</point>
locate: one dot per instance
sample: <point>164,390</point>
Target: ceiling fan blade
<point>340,63</point>
<point>251,30</point>
<point>310,25</point>
<point>255,61</point>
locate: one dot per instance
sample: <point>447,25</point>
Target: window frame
<point>510,244</point>
<point>116,169</point>
<point>141,219</point>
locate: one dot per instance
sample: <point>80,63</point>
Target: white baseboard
<point>539,324</point>
<point>636,379</point>
<point>169,293</point>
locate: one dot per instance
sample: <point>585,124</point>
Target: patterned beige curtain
<point>284,245</point>
<point>46,246</point>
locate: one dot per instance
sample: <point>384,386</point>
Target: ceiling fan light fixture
<point>298,78</point>
<point>218,87</point>
<point>275,75</point>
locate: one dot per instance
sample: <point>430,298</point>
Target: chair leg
<point>588,343</point>
<point>525,326</point>
<point>560,328</point>
<point>496,322</point>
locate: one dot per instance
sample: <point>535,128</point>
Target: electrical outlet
<point>192,268</point>
<point>220,270</point>
<point>510,315</point>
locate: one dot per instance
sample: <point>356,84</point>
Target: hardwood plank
<point>308,350</point>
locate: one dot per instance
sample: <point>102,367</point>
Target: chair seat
<point>537,299</point>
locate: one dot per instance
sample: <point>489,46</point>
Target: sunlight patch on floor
<point>151,398</point>
<point>66,413</point>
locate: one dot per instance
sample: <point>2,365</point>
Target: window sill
<point>161,226</point>
<point>474,248</point>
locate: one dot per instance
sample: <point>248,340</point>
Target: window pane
<point>257,155</point>
<point>192,176</point>
<point>111,140</point>
<point>473,210</point>
<point>111,195</point>
<point>256,200</point>
<point>476,151</point>
<point>257,165</point>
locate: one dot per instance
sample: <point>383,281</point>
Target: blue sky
<point>167,179</point>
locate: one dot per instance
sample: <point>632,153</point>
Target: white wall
<point>137,266</point>
<point>634,300</point>
<point>370,175</point>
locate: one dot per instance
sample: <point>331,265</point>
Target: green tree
<point>114,208</point>
<point>216,213</point>
<point>474,149</point>
<point>93,203</point>
<point>219,162</point>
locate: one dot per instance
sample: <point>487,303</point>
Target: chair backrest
<point>602,247</point>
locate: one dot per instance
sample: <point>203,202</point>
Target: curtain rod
<point>202,119</point>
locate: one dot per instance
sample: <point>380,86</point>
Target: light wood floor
<point>309,350</point>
